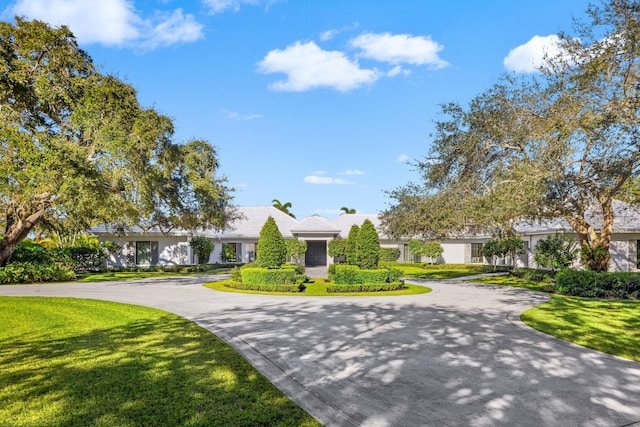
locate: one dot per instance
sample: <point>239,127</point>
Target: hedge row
<point>533,274</point>
<point>271,276</point>
<point>590,284</point>
<point>352,275</point>
<point>20,272</point>
<point>266,288</point>
<point>77,258</point>
<point>366,287</point>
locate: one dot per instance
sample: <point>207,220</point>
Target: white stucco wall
<point>172,250</point>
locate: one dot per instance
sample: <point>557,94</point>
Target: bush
<point>350,247</point>
<point>29,252</point>
<point>202,246</point>
<point>352,275</point>
<point>591,284</point>
<point>236,274</point>
<point>368,287</point>
<point>368,246</point>
<point>533,274</point>
<point>337,248</point>
<point>267,288</point>
<point>268,276</point>
<point>389,254</point>
<point>299,269</point>
<point>555,252</point>
<point>272,251</point>
<point>19,272</point>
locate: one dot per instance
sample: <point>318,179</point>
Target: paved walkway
<point>457,356</point>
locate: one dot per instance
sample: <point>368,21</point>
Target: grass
<point>512,281</point>
<point>610,326</point>
<point>136,275</point>
<point>318,288</point>
<point>439,271</point>
<point>74,362</point>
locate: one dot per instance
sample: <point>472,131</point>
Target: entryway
<point>316,253</point>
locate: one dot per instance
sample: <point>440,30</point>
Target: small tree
<point>432,250</point>
<point>513,247</point>
<point>352,239</point>
<point>296,249</point>
<point>338,248</point>
<point>415,246</point>
<point>556,252</point>
<point>272,251</point>
<point>368,246</point>
<point>202,247</point>
<point>494,249</point>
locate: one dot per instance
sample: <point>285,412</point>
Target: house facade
<point>238,242</point>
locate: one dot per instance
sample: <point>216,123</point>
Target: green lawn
<point>317,287</point>
<point>438,271</point>
<point>610,326</point>
<point>135,275</point>
<point>73,362</point>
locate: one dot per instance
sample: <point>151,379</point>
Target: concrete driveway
<point>458,356</point>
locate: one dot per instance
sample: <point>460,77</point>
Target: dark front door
<point>316,254</point>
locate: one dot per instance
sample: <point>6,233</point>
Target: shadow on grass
<point>164,371</point>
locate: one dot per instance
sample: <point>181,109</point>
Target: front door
<point>316,254</point>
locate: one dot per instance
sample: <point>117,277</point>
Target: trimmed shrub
<point>533,274</point>
<point>30,252</point>
<point>296,249</point>
<point>299,269</point>
<point>591,284</point>
<point>351,245</point>
<point>266,288</point>
<point>368,287</point>
<point>389,254</point>
<point>344,274</point>
<point>202,246</point>
<point>236,274</point>
<point>368,246</point>
<point>338,249</point>
<point>351,275</point>
<point>22,272</point>
<point>272,251</point>
<point>269,276</point>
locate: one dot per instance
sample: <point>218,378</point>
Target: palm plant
<point>283,207</point>
<point>347,210</point>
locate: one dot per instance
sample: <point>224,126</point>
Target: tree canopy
<point>562,144</point>
<point>78,148</point>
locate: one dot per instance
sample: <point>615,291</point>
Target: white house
<point>237,243</point>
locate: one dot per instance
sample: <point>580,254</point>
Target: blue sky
<point>320,103</point>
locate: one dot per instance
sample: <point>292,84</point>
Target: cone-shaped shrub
<point>368,246</point>
<point>352,242</point>
<point>272,251</point>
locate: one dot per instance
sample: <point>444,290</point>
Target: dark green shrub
<point>268,276</point>
<point>368,287</point>
<point>533,274</point>
<point>272,251</point>
<point>338,249</point>
<point>591,284</point>
<point>351,275</point>
<point>351,251</point>
<point>368,246</point>
<point>389,254</point>
<point>344,274</point>
<point>27,251</point>
<point>21,272</point>
<point>266,288</point>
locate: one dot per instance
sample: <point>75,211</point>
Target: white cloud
<point>221,6</point>
<point>112,22</point>
<point>316,179</point>
<point>307,66</point>
<point>328,35</point>
<point>352,172</point>
<point>403,158</point>
<point>397,70</point>
<point>234,115</point>
<point>528,57</point>
<point>400,49</point>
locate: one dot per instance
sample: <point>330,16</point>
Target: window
<point>146,253</point>
<point>476,253</point>
<point>231,252</point>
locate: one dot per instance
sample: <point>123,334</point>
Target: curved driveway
<point>457,356</point>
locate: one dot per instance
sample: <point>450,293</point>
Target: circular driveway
<point>458,356</point>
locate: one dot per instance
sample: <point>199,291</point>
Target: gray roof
<point>314,224</point>
<point>345,221</point>
<point>251,222</point>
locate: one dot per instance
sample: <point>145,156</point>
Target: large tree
<point>77,147</point>
<point>561,145</point>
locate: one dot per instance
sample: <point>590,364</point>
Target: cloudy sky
<point>321,103</point>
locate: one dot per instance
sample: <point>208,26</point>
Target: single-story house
<point>237,243</point>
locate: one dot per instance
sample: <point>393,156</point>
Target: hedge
<point>366,287</point>
<point>19,272</point>
<point>266,288</point>
<point>270,276</point>
<point>591,284</point>
<point>351,275</point>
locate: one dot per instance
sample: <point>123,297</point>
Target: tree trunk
<point>16,230</point>
<point>595,250</point>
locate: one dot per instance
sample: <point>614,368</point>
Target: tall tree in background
<point>77,147</point>
<point>283,207</point>
<point>560,146</point>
